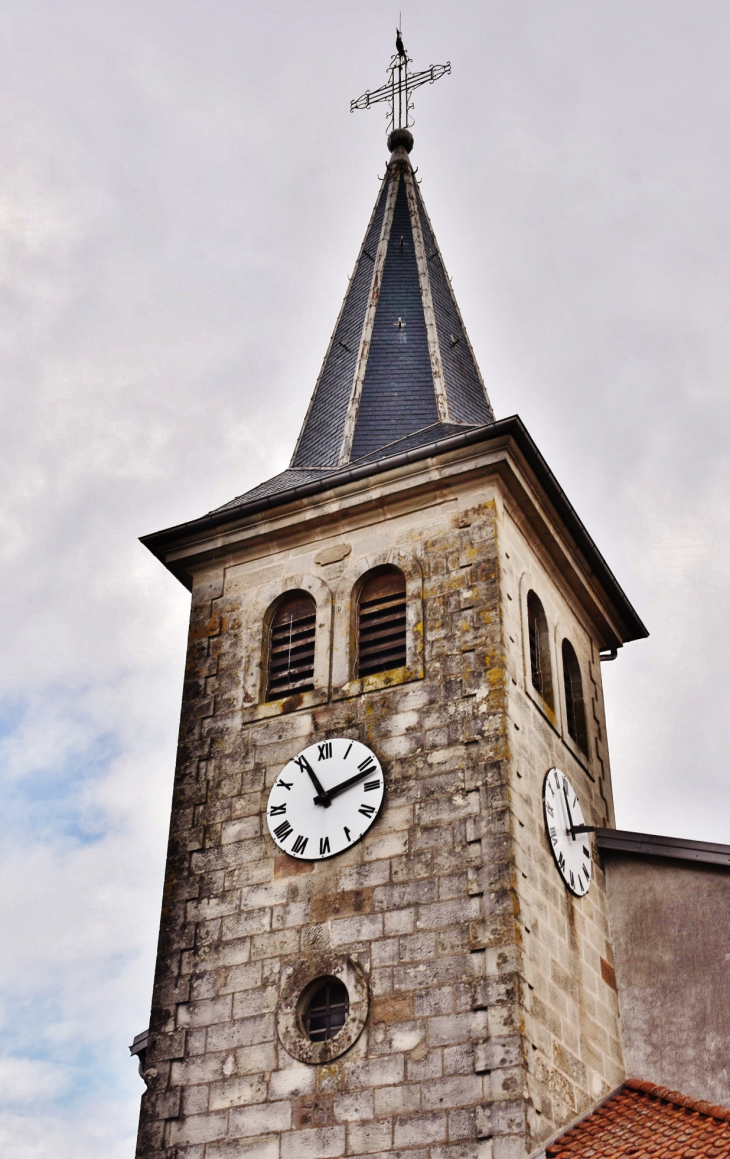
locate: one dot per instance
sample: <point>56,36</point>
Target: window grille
<point>575,709</point>
<point>326,1011</point>
<point>537,628</point>
<point>382,623</point>
<point>291,647</point>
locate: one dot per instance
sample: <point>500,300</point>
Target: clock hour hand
<point>335,792</point>
<point>322,798</point>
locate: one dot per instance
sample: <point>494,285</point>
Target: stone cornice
<point>503,449</point>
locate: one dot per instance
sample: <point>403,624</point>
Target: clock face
<point>566,830</point>
<point>325,799</point>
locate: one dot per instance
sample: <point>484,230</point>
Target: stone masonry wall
<point>571,1016</point>
<point>431,903</point>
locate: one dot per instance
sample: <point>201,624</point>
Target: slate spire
<point>399,368</point>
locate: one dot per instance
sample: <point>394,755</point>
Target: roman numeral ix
<point>275,810</point>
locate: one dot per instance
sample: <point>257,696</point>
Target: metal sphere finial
<point>402,137</point>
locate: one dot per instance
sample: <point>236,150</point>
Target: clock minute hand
<point>322,798</point>
<point>570,815</point>
<point>335,792</point>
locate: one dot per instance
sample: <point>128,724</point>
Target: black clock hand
<point>322,797</point>
<point>570,815</point>
<point>335,792</point>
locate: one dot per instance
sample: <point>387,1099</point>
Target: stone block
<point>199,1128</point>
<point>377,1072</point>
<point>264,1148</point>
<point>369,1138</point>
<point>454,1091</point>
<point>417,1130</point>
<point>316,1143</point>
<point>259,1119</point>
<point>247,1032</point>
<point>237,1092</point>
<point>206,1013</point>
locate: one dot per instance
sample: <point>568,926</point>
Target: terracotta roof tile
<point>647,1122</point>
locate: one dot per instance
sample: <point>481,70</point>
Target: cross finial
<point>399,87</point>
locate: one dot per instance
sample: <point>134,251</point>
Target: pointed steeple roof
<point>399,360</point>
<point>399,371</point>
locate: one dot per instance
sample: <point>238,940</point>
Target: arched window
<point>575,709</point>
<point>381,622</point>
<point>542,679</point>
<point>291,646</point>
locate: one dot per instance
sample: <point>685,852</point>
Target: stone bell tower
<point>418,584</point>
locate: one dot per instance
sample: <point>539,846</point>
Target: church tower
<point>384,927</point>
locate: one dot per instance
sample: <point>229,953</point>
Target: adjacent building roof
<point>646,1122</point>
<point>652,845</point>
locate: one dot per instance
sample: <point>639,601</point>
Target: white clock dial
<point>325,799</point>
<point>567,832</point>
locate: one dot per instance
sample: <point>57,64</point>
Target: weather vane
<point>400,86</point>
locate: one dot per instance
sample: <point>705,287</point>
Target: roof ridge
<point>712,1110</point>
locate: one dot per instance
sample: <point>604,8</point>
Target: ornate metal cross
<point>399,87</point>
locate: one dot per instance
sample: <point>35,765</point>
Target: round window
<point>325,1009</point>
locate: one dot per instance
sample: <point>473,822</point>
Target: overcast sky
<point>182,195</point>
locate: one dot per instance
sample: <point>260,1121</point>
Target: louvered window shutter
<point>291,647</point>
<point>382,623</point>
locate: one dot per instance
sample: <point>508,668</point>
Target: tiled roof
<point>398,394</point>
<point>647,1122</point>
<point>277,485</point>
<point>295,476</point>
<point>399,359</point>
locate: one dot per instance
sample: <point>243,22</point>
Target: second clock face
<point>566,827</point>
<point>325,799</point>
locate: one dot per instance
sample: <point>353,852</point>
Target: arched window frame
<point>539,661</point>
<point>258,607</point>
<point>574,697</point>
<point>345,681</point>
